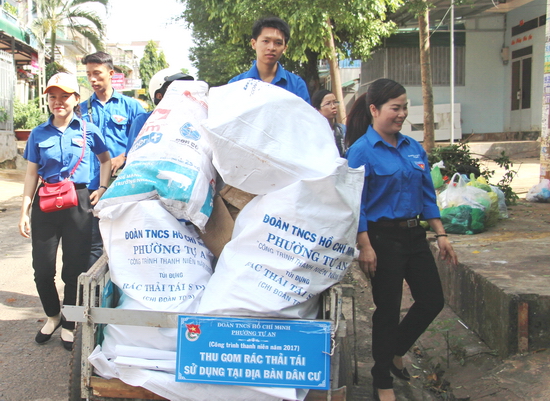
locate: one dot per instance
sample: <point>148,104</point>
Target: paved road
<point>28,371</point>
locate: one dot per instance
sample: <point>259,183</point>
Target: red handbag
<point>61,195</point>
<point>58,196</point>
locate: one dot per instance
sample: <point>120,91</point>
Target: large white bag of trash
<point>287,247</point>
<point>158,263</point>
<point>169,159</point>
<point>264,138</point>
<point>154,259</point>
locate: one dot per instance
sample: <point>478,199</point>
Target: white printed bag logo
<point>188,131</point>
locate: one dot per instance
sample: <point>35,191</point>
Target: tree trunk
<point>53,39</point>
<point>335,76</point>
<point>426,70</point>
<point>312,71</point>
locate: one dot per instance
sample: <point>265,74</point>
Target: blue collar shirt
<point>283,79</point>
<point>135,128</point>
<point>398,184</point>
<point>113,119</point>
<point>56,152</point>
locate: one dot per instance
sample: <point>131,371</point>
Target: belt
<point>76,186</point>
<point>409,223</point>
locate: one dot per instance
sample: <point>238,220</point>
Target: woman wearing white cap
<point>58,149</point>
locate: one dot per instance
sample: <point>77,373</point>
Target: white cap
<point>63,81</point>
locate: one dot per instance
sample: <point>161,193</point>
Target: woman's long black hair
<point>359,117</point>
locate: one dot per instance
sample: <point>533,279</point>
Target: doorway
<point>520,116</point>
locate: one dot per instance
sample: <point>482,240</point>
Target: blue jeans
<point>402,254</point>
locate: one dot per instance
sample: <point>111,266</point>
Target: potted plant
<point>26,117</point>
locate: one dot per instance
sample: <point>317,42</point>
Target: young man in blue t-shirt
<point>270,38</point>
<point>113,113</point>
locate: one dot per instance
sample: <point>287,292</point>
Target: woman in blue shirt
<point>397,191</point>
<point>52,151</point>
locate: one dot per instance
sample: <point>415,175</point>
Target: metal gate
<point>7,89</point>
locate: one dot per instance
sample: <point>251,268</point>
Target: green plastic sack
<point>492,210</point>
<point>463,219</point>
<point>437,178</point>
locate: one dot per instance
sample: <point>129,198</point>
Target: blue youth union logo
<point>187,131</point>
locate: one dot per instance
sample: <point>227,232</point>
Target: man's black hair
<point>99,58</point>
<point>271,22</point>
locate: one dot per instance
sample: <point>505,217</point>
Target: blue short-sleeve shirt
<point>283,78</point>
<point>113,119</point>
<point>56,152</point>
<point>136,126</point>
<point>398,184</point>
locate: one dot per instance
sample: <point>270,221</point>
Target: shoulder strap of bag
<point>81,155</point>
<point>83,149</point>
<point>90,109</point>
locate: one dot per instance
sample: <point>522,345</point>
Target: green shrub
<point>3,115</point>
<point>27,116</point>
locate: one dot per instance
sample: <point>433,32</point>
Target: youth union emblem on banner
<point>193,332</point>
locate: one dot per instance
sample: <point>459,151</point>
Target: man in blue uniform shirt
<point>270,38</point>
<point>113,113</point>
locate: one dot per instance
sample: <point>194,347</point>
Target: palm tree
<point>56,14</point>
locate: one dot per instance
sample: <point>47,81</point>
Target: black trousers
<point>73,227</point>
<point>402,254</point>
<point>96,249</point>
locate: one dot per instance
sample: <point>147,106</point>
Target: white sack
<point>154,259</point>
<point>169,159</point>
<point>287,247</point>
<point>158,263</point>
<point>264,138</point>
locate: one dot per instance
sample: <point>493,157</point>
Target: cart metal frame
<point>90,314</point>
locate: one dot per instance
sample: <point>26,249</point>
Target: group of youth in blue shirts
<point>397,192</point>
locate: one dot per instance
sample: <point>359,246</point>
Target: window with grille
<point>402,64</point>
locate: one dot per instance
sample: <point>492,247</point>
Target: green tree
<point>152,62</point>
<point>54,15</point>
<point>221,31</point>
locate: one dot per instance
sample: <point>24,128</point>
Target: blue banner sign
<point>254,352</point>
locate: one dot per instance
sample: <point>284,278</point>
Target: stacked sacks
<point>169,159</point>
<point>159,264</point>
<point>297,237</point>
<point>288,246</point>
<point>289,243</point>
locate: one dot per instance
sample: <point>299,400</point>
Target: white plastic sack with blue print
<point>287,247</point>
<point>264,138</point>
<point>159,264</point>
<point>170,160</point>
<point>154,259</point>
